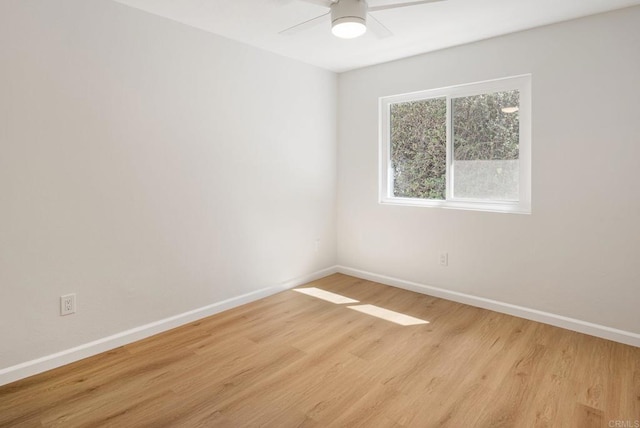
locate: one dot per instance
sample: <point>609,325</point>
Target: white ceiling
<point>417,29</point>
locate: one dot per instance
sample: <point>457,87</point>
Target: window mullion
<point>449,150</point>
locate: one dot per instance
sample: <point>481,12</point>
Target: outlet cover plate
<point>67,304</point>
<point>443,260</point>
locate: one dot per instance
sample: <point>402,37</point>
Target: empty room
<point>320,213</point>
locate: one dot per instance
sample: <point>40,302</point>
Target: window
<point>464,147</point>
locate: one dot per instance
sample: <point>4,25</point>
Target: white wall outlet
<point>68,304</point>
<point>443,260</point>
<point>317,245</point>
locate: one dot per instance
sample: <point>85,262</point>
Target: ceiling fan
<point>349,17</point>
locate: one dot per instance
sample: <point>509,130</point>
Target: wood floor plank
<point>293,360</point>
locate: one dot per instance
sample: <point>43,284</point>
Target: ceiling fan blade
<point>325,3</point>
<point>397,5</point>
<point>304,25</point>
<point>378,28</point>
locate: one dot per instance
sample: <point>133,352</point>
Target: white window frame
<point>521,83</point>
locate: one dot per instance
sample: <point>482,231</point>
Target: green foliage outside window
<point>481,130</point>
<point>419,148</point>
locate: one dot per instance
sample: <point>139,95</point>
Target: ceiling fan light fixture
<point>349,18</point>
<point>348,27</point>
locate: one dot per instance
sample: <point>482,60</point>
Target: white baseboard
<point>585,327</point>
<point>39,365</point>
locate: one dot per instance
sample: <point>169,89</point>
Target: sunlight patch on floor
<point>325,295</point>
<point>388,315</point>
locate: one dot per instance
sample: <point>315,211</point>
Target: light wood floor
<point>293,360</point>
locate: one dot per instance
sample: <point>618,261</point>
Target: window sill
<point>499,207</point>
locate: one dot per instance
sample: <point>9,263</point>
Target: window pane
<point>419,148</point>
<point>485,146</point>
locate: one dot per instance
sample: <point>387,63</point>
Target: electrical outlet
<point>443,260</point>
<point>68,304</point>
<point>317,245</point>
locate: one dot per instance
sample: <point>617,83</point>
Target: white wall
<point>152,169</point>
<point>578,253</point>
